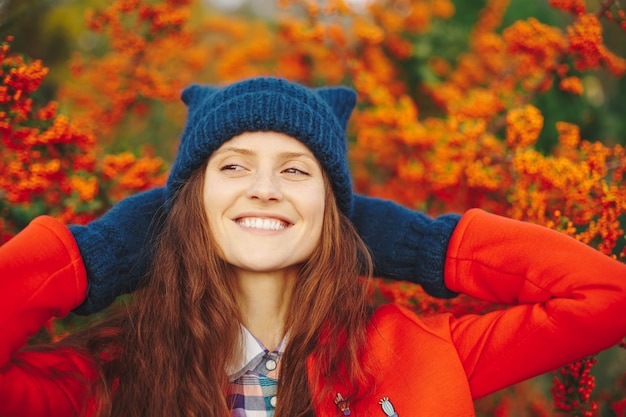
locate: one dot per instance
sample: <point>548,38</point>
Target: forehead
<point>266,143</point>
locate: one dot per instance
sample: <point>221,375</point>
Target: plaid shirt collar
<point>252,355</point>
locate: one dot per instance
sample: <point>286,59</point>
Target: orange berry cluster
<point>48,163</point>
<point>435,133</point>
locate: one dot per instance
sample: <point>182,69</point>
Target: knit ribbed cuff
<point>107,276</point>
<point>405,244</point>
<point>430,246</point>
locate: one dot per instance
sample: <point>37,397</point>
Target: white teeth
<point>265,224</point>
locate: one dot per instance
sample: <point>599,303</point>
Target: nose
<point>265,187</point>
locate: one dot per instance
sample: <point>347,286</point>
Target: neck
<point>264,300</point>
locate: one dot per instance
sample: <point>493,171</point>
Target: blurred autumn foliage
<point>434,130</point>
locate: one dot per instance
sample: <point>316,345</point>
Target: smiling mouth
<point>262,224</point>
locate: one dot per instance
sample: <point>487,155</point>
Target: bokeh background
<point>510,105</point>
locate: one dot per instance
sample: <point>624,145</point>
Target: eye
<point>231,167</point>
<point>296,171</point>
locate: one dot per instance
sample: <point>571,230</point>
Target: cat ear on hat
<point>341,100</point>
<point>194,94</point>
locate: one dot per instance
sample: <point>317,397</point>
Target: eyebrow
<point>250,152</point>
<point>242,151</point>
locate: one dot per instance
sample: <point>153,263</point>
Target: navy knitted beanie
<point>316,117</point>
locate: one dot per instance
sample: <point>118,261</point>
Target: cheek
<point>209,207</point>
<point>316,209</point>
<point>212,208</point>
<point>211,219</point>
<point>219,237</point>
<point>216,194</point>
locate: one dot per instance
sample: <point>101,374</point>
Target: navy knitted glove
<point>406,245</point>
<point>117,248</point>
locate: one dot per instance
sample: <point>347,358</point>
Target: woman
<point>251,306</point>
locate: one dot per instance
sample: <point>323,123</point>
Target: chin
<point>268,268</point>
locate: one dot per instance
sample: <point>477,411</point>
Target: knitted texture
<point>316,117</point>
<point>116,249</point>
<point>405,244</point>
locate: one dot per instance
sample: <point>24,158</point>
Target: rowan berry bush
<point>440,127</point>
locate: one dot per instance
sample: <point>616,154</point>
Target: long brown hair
<point>167,354</point>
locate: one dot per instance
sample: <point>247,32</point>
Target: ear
<point>193,94</point>
<point>341,100</point>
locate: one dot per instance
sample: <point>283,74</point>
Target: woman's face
<point>264,198</point>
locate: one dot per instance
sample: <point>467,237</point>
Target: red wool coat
<point>567,301</point>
